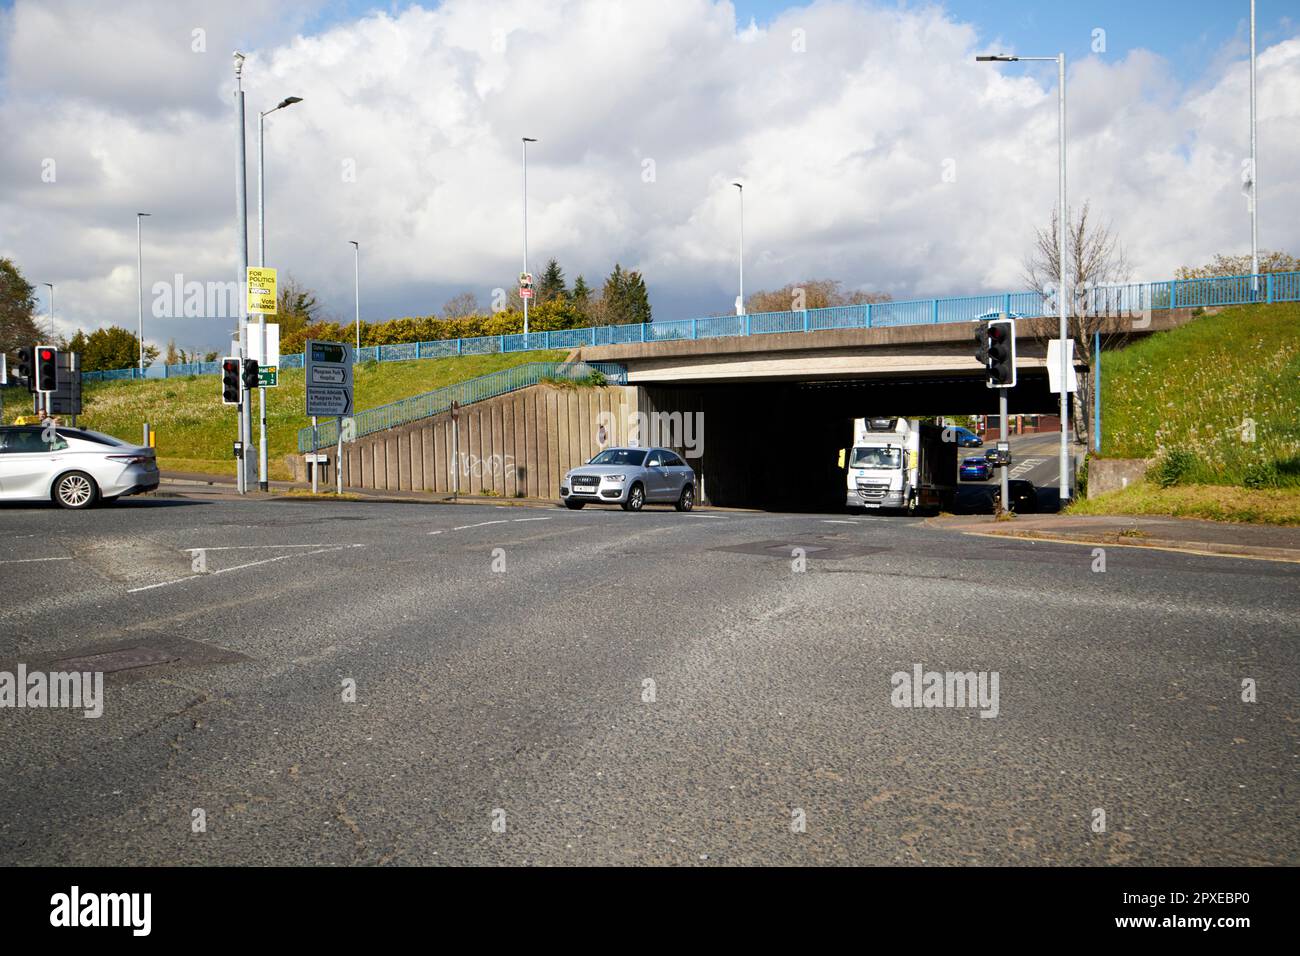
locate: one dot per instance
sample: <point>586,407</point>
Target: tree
<point>17,307</point>
<point>460,306</point>
<point>810,294</point>
<point>172,356</point>
<point>624,299</point>
<point>211,356</point>
<point>296,306</point>
<point>112,348</point>
<point>581,295</point>
<point>552,285</point>
<point>1094,256</point>
<point>1224,265</point>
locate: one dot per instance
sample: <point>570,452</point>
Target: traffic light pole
<point>1006,437</point>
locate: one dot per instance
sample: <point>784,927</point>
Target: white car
<point>71,466</point>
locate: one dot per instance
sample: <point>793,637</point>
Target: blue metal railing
<point>472,390</point>
<point>1131,297</point>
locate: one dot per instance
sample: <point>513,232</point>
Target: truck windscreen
<point>872,456</point>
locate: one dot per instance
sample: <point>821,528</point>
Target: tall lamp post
<point>1254,206</point>
<point>241,252</point>
<point>740,302</point>
<point>356,285</point>
<point>526,141</point>
<point>50,286</point>
<point>262,483</point>
<point>139,282</point>
<point>1061,218</point>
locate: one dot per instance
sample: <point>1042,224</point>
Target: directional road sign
<point>328,370</point>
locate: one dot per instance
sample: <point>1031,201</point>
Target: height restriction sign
<point>261,290</point>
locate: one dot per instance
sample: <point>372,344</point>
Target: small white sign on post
<point>1054,366</point>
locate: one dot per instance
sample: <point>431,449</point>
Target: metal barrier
<point>1129,297</point>
<point>472,390</point>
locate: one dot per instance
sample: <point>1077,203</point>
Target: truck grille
<point>872,489</point>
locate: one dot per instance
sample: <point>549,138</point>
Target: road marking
<point>481,524</point>
<point>837,521</point>
<point>241,567</point>
<point>533,519</point>
<point>32,560</point>
<point>253,547</point>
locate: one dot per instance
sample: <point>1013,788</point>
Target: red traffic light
<point>46,355</point>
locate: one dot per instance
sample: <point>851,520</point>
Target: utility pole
<point>139,282</point>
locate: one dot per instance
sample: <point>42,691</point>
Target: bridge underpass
<point>774,444</point>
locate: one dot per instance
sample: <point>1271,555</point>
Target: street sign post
<point>268,361</point>
<point>327,367</point>
<point>1054,366</point>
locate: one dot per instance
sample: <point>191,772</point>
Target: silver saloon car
<point>72,466</point>
<point>631,477</point>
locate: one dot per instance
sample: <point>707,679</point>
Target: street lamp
<point>241,253</point>
<point>1064,481</point>
<point>1254,206</point>
<point>356,273</point>
<point>50,286</point>
<point>526,141</point>
<point>740,302</point>
<point>139,281</point>
<point>262,483</point>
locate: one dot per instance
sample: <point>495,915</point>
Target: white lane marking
<point>32,560</point>
<point>692,514</point>
<point>241,567</point>
<point>254,547</point>
<point>481,524</point>
<point>837,521</point>
<point>533,519</point>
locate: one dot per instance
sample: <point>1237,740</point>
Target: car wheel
<point>573,505</point>
<point>635,498</point>
<point>75,490</point>
<point>687,501</point>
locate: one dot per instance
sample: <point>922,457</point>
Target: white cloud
<point>842,149</point>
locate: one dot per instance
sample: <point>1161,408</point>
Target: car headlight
<point>616,479</point>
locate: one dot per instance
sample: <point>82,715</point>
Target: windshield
<point>887,456</point>
<point>619,456</point>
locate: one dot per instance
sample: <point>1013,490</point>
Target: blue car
<point>967,438</point>
<point>976,469</point>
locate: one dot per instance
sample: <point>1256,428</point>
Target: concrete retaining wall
<point>515,445</point>
<point>1112,474</point>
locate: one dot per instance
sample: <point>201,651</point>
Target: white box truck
<point>900,463</point>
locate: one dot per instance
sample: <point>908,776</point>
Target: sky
<point>873,149</point>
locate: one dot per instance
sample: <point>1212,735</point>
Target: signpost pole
<point>315,465</point>
<point>455,451</point>
<point>338,459</point>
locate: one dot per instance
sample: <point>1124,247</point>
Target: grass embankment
<point>1216,403</point>
<point>195,431</point>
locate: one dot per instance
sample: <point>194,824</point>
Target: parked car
<point>976,469</point>
<point>1023,495</point>
<point>72,466</point>
<point>631,477</point>
<point>967,438</point>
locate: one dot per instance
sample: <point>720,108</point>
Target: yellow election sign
<point>261,290</point>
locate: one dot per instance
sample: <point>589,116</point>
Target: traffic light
<point>47,368</point>
<point>1002,353</point>
<point>27,368</point>
<point>230,381</point>
<point>250,374</point>
<point>982,345</point>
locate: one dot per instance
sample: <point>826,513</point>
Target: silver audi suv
<point>631,477</point>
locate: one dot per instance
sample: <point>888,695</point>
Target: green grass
<point>1195,389</point>
<point>195,431</point>
<point>1279,506</point>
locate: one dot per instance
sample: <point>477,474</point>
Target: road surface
<point>534,685</point>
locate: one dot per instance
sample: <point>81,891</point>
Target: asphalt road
<point>523,696</point>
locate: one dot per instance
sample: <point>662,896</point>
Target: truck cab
<point>899,463</point>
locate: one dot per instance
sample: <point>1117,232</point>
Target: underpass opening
<point>774,445</point>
